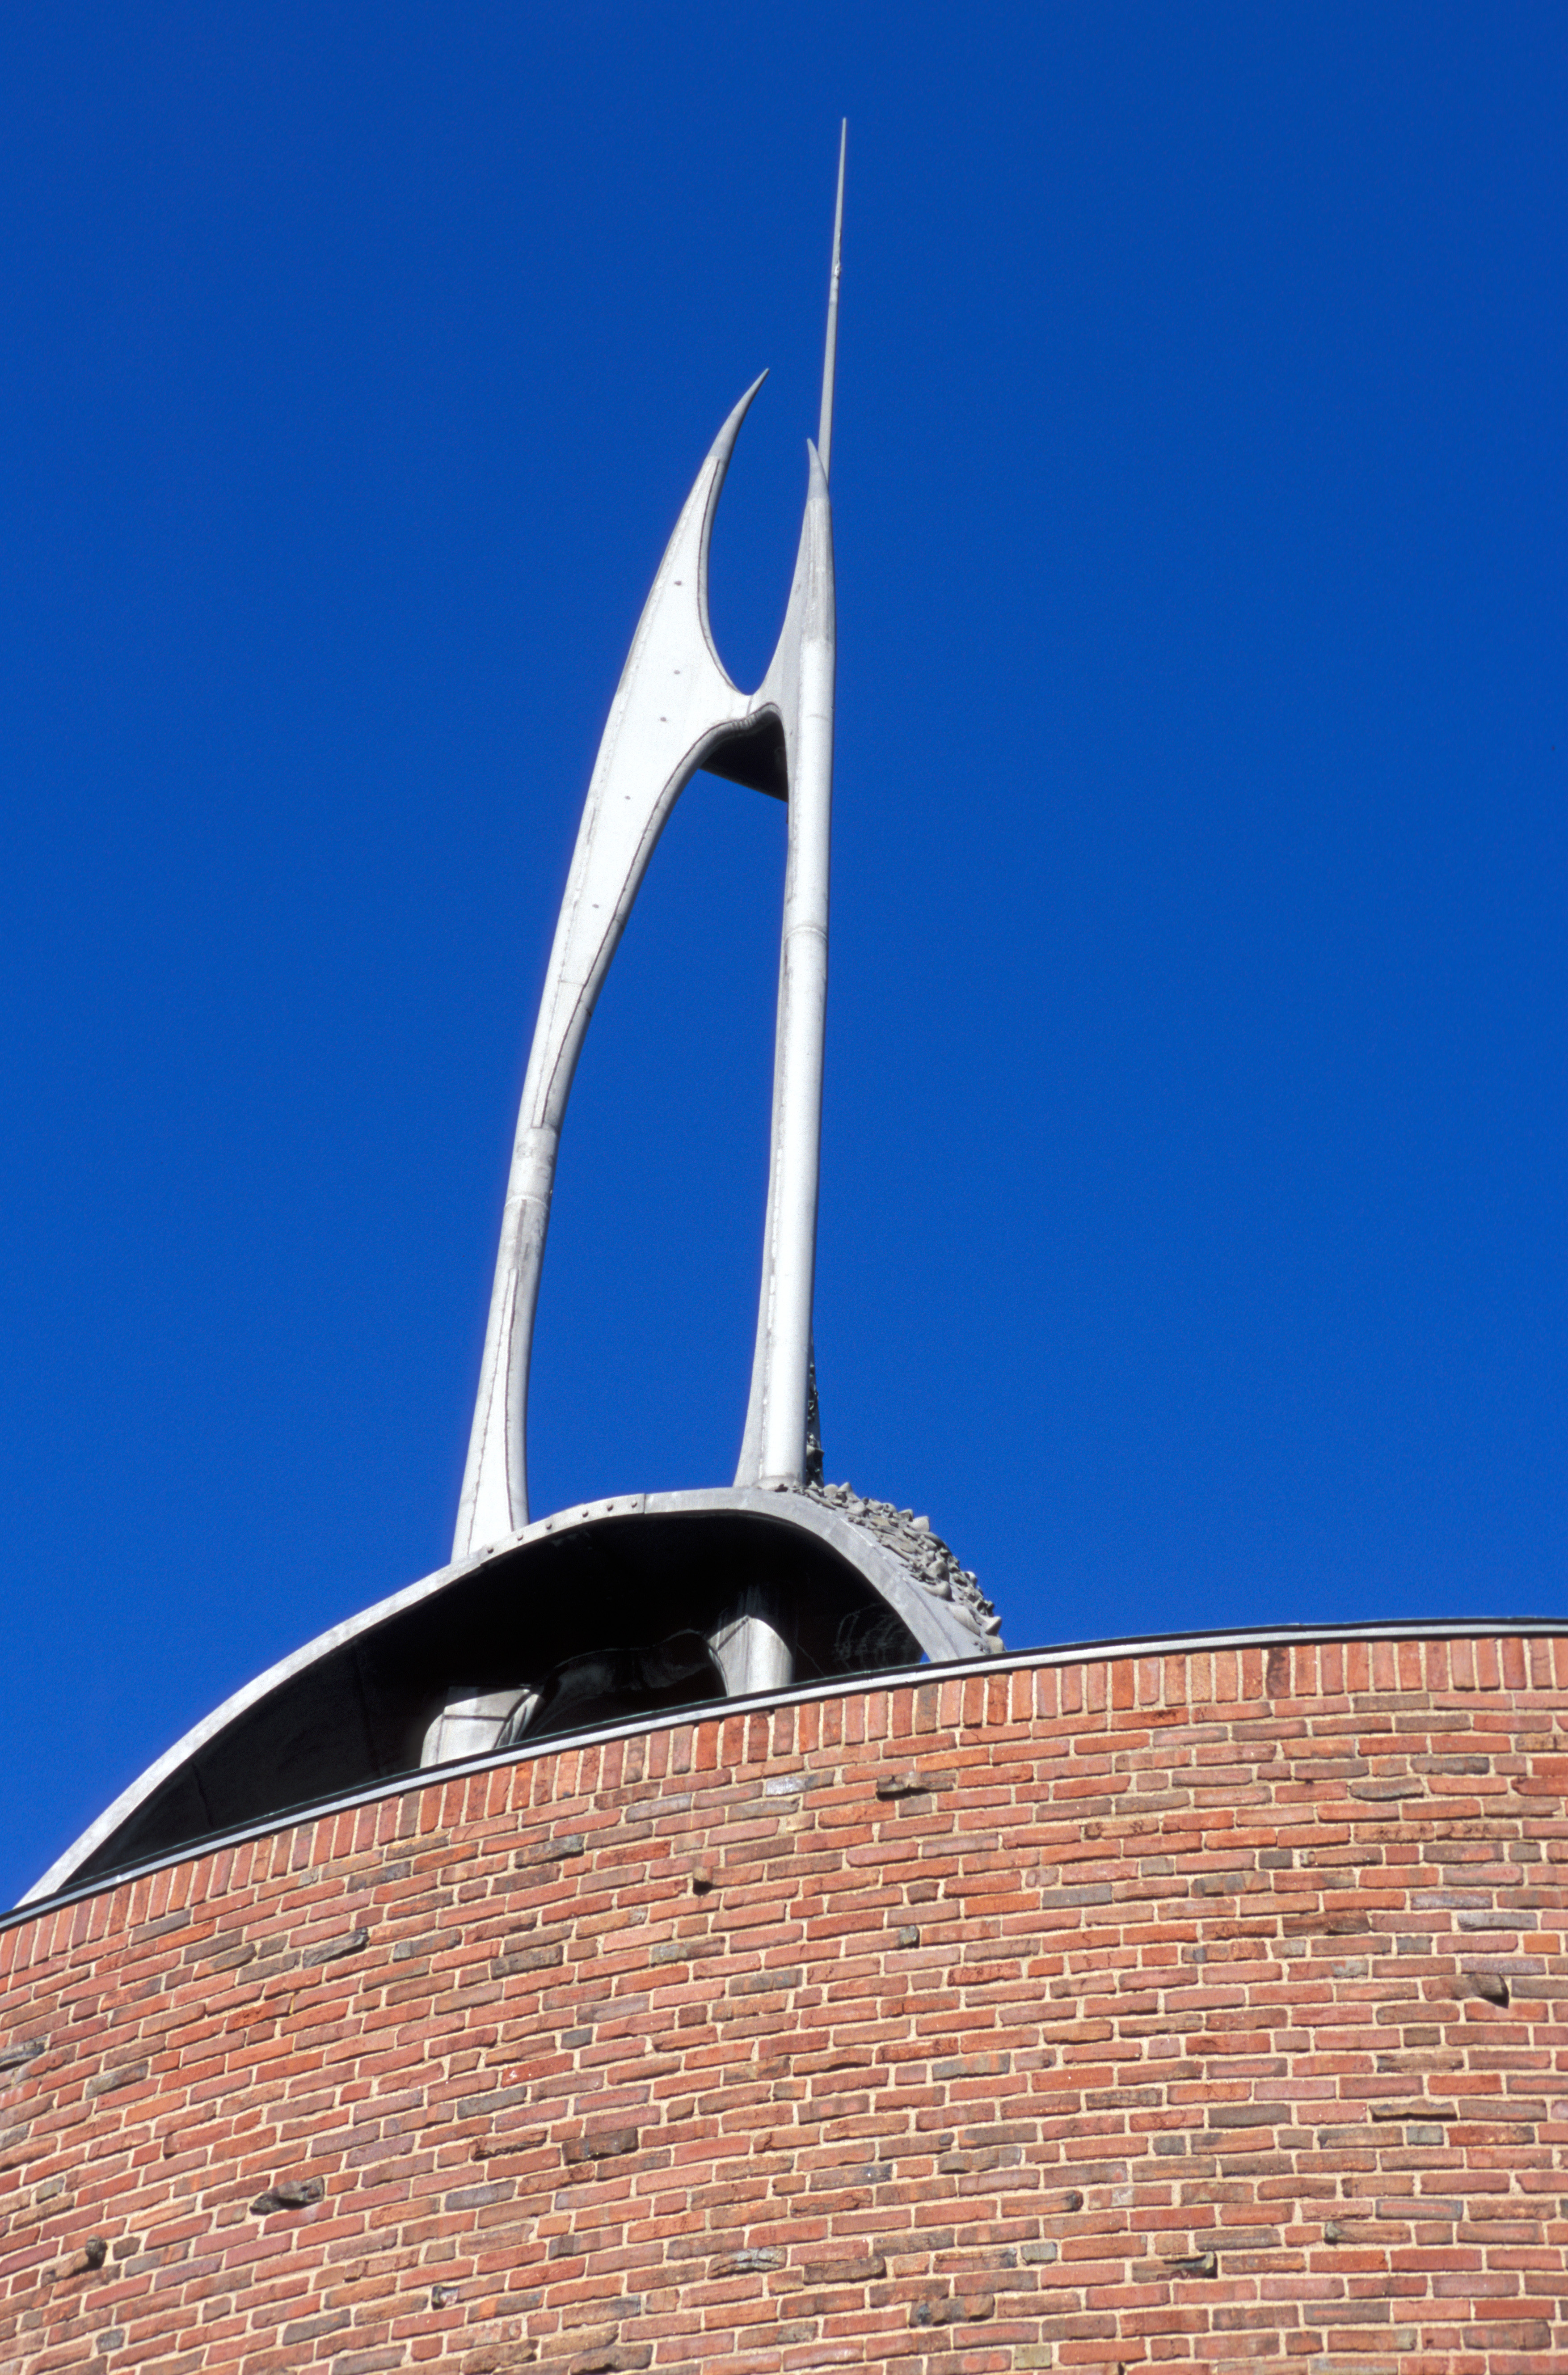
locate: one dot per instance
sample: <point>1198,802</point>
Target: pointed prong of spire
<point>830,357</point>
<point>673,700</point>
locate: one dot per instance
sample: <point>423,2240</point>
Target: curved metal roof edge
<point>1165,1645</point>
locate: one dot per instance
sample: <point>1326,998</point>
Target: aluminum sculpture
<point>676,709</point>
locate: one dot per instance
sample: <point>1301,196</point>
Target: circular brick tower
<point>1193,2003</point>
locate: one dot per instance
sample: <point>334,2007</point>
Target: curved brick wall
<point>1199,2008</point>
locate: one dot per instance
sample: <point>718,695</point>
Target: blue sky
<point>1192,1228</point>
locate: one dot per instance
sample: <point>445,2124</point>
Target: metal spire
<point>676,710</point>
<point>830,350</point>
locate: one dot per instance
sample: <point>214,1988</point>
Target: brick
<point>1207,2009</point>
<point>604,2143</point>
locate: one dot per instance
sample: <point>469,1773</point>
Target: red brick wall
<point>1204,2009</point>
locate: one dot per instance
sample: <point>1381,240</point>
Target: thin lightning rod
<point>830,357</point>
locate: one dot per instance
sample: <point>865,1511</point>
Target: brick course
<point>1203,2009</point>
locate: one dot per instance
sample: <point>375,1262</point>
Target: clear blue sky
<point>1192,1230</point>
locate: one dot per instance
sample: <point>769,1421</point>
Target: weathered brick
<point>1199,2008</point>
